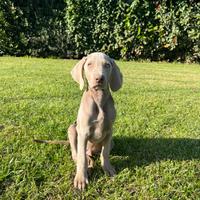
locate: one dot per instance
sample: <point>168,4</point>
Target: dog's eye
<point>107,65</point>
<point>89,64</point>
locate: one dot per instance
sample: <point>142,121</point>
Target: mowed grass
<point>156,134</point>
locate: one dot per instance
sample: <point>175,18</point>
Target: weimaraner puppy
<point>92,132</point>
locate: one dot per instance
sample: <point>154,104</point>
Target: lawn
<point>156,134</point>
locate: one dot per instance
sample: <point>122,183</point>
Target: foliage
<point>136,29</point>
<point>33,27</point>
<point>12,39</point>
<point>128,29</point>
<point>179,31</point>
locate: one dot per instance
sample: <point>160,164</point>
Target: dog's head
<point>100,71</point>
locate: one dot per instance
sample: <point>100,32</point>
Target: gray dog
<point>92,131</point>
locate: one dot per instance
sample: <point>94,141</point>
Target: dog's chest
<point>100,128</point>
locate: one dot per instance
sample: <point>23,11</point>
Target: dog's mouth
<point>98,87</point>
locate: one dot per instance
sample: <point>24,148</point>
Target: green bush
<point>12,39</point>
<point>136,29</point>
<point>179,31</point>
<point>33,27</point>
<point>128,29</point>
<point>115,27</point>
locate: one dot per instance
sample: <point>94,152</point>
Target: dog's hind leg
<point>72,135</point>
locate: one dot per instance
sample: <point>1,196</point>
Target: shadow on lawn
<point>143,151</point>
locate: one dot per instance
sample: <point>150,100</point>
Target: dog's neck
<point>100,97</point>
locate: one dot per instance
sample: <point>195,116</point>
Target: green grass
<point>156,134</point>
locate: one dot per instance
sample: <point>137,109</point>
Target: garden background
<point>130,29</point>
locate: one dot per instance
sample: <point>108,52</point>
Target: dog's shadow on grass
<point>129,152</point>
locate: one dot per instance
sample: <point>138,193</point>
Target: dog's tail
<point>63,142</point>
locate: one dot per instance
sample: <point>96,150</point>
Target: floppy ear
<point>77,72</point>
<point>116,78</point>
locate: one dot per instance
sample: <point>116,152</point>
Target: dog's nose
<point>100,79</point>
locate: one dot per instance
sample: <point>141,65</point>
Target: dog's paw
<point>109,169</point>
<point>80,181</point>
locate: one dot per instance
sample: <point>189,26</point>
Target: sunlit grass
<point>156,134</point>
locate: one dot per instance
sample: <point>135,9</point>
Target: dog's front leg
<point>81,178</point>
<point>105,162</point>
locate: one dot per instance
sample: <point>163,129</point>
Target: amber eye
<point>107,65</point>
<point>89,64</point>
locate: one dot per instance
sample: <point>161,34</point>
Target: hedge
<point>127,29</point>
<point>33,27</point>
